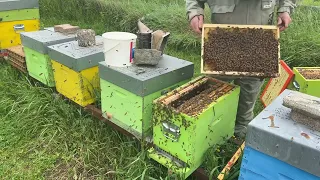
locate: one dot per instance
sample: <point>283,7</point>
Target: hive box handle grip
<point>296,85</point>
<point>169,128</point>
<point>18,27</point>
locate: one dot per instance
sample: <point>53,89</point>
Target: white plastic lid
<point>119,36</point>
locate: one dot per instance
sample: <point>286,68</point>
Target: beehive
<point>190,120</point>
<point>288,150</point>
<point>240,50</point>
<point>17,59</point>
<point>127,92</point>
<point>75,70</point>
<point>16,17</point>
<point>307,80</point>
<point>36,52</point>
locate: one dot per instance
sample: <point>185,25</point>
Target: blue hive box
<point>278,148</point>
<point>259,166</point>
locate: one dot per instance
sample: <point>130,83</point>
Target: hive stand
<point>17,59</point>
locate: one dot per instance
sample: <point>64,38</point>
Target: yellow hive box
<point>10,31</point>
<point>76,71</point>
<point>78,86</point>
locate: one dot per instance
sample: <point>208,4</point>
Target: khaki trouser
<point>249,90</point>
<point>253,12</point>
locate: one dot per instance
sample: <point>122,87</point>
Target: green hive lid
<point>75,57</point>
<point>145,80</point>
<point>285,139</point>
<point>7,5</point>
<point>40,40</point>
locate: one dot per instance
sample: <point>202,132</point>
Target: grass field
<point>42,136</point>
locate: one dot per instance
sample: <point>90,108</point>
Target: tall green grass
<point>43,136</point>
<point>299,43</point>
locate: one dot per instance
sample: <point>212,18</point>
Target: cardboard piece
<point>277,85</point>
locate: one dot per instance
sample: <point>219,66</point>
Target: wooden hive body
<point>17,59</point>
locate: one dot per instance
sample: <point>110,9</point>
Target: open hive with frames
<point>191,119</point>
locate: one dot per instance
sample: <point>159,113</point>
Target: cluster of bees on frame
<point>242,50</point>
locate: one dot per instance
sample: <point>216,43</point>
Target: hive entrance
<point>310,73</point>
<point>251,50</point>
<point>195,100</point>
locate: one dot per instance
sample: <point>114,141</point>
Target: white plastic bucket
<point>118,48</point>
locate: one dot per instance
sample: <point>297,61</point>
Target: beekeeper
<point>248,12</point>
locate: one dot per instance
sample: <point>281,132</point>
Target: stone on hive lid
<point>304,104</point>
<point>86,37</point>
<point>312,123</point>
<point>66,28</point>
<point>58,28</point>
<point>147,56</point>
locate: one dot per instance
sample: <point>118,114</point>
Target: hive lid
<point>145,80</point>
<point>285,139</point>
<point>40,40</point>
<point>75,57</point>
<point>7,5</point>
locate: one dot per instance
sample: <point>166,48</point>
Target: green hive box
<point>190,120</point>
<point>18,10</point>
<point>307,80</point>
<point>19,15</point>
<point>36,52</point>
<point>127,93</point>
<point>7,5</point>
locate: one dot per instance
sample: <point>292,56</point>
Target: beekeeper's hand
<point>196,24</point>
<point>284,20</point>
